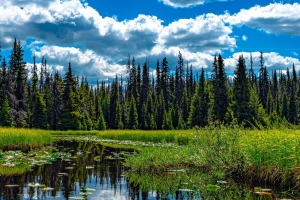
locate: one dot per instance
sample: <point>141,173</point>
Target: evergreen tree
<point>39,113</point>
<point>18,70</point>
<point>133,115</point>
<point>100,125</point>
<point>199,107</point>
<point>70,116</point>
<point>241,94</point>
<point>113,105</point>
<point>219,90</point>
<point>167,122</point>
<point>263,82</point>
<point>57,103</point>
<point>5,115</point>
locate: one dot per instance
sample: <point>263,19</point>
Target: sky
<point>96,36</point>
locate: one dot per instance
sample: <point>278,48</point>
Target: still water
<point>87,170</point>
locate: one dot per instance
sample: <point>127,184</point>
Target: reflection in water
<point>92,171</point>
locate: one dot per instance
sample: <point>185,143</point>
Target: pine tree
<point>39,113</point>
<point>199,107</point>
<point>219,90</point>
<point>100,125</point>
<point>19,73</point>
<point>114,96</point>
<point>241,94</point>
<point>5,115</point>
<point>70,116</point>
<point>263,82</point>
<point>133,115</point>
<point>167,122</point>
<point>57,103</point>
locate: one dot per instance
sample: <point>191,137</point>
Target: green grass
<point>23,139</point>
<point>270,156</point>
<point>181,137</point>
<point>73,133</point>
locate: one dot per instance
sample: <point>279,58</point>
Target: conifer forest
<point>166,100</point>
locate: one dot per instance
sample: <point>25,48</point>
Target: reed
<point>73,133</point>
<point>268,156</point>
<point>181,137</point>
<point>23,139</point>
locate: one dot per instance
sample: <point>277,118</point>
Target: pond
<point>88,170</point>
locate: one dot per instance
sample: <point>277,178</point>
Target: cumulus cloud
<point>244,37</point>
<point>98,46</point>
<point>98,67</point>
<point>272,61</point>
<point>275,18</point>
<point>186,3</point>
<point>205,33</point>
<point>104,41</point>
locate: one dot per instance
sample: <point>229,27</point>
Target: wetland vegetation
<point>256,158</point>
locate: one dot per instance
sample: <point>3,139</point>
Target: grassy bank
<point>23,139</point>
<point>270,156</point>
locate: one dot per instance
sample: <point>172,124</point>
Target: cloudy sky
<point>97,35</point>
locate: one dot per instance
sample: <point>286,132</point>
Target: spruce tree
<point>133,115</point>
<point>167,122</point>
<point>219,90</point>
<point>39,113</point>
<point>70,116</point>
<point>241,94</point>
<point>100,125</point>
<point>5,115</point>
<point>263,82</point>
<point>199,107</point>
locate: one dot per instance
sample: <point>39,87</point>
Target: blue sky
<point>96,36</point>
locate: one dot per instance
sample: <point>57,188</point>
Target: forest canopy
<point>179,100</point>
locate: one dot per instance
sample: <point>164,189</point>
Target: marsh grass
<point>23,139</point>
<point>73,133</point>
<point>272,155</point>
<point>267,156</point>
<point>181,137</point>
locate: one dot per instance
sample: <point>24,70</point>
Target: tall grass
<point>269,156</point>
<point>181,137</point>
<point>73,133</point>
<point>23,139</point>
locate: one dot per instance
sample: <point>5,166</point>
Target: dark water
<point>80,176</point>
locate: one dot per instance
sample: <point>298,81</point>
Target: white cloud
<point>206,33</point>
<point>186,3</point>
<point>275,18</point>
<point>84,62</point>
<point>272,60</point>
<point>104,41</point>
<point>244,37</point>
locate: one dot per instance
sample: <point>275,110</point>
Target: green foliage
<point>199,106</point>
<point>133,115</point>
<point>167,123</point>
<point>5,116</point>
<point>241,94</point>
<point>39,113</point>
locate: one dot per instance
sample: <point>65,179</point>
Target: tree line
<point>166,100</point>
